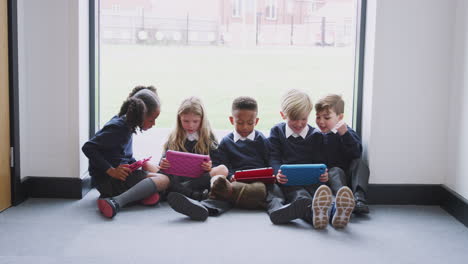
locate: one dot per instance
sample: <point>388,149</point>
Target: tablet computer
<point>302,174</point>
<point>185,164</point>
<point>264,175</point>
<point>138,164</point>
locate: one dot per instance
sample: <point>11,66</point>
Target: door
<point>5,185</point>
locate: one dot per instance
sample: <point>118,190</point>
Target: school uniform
<point>187,185</point>
<point>342,155</point>
<point>242,153</point>
<point>109,148</point>
<point>288,147</point>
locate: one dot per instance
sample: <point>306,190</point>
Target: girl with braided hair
<point>110,153</point>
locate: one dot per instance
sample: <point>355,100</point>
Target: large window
<point>215,50</point>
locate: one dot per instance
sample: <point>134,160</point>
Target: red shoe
<point>151,200</point>
<point>108,207</point>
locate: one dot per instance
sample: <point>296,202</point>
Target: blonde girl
<point>193,134</point>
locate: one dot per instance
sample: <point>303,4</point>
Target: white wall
<point>53,86</point>
<point>457,174</point>
<point>406,132</point>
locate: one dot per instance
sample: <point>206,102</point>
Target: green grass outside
<point>219,74</point>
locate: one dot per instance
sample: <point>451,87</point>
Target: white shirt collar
<point>303,133</point>
<point>192,137</point>
<point>237,136</point>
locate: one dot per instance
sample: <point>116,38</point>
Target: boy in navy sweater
<point>296,142</point>
<point>245,148</point>
<point>341,149</point>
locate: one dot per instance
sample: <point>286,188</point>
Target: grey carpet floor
<point>73,231</point>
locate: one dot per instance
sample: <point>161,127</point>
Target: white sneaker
<point>344,207</point>
<point>321,207</point>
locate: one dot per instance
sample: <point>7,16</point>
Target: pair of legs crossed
<point>357,178</point>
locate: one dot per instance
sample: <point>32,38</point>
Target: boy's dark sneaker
<point>344,207</point>
<point>108,207</point>
<point>289,212</point>
<point>361,207</point>
<point>321,207</point>
<point>151,200</point>
<point>189,207</point>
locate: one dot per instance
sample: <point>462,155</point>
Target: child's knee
<point>161,181</point>
<point>219,170</point>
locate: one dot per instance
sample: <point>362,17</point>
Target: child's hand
<point>165,164</point>
<point>206,166</point>
<point>324,177</point>
<point>341,128</point>
<point>150,167</point>
<point>120,173</point>
<point>280,178</point>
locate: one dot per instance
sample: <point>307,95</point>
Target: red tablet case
<point>264,175</point>
<point>185,164</point>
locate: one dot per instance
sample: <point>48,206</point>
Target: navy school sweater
<point>110,147</point>
<point>294,150</point>
<point>339,151</point>
<point>244,155</point>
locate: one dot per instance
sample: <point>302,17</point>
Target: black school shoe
<point>200,195</point>
<point>108,207</point>
<point>361,204</point>
<point>361,207</point>
<point>186,206</point>
<point>289,212</point>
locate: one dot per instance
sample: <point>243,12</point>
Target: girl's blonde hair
<point>206,138</point>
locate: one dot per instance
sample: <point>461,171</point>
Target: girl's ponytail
<point>143,100</point>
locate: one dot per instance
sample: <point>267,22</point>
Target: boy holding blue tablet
<point>342,149</point>
<point>296,142</point>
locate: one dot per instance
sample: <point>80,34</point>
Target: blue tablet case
<point>302,174</point>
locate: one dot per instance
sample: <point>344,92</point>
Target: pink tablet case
<point>185,164</point>
<point>138,164</point>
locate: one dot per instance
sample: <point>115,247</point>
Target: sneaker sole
<point>183,205</point>
<point>321,207</point>
<point>294,211</point>
<point>344,207</point>
<point>105,208</point>
<point>151,200</point>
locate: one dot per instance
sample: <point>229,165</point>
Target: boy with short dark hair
<point>296,142</point>
<point>342,149</point>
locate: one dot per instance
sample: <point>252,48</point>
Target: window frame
<point>271,12</point>
<point>236,6</point>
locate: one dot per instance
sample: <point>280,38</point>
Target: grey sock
<point>138,192</point>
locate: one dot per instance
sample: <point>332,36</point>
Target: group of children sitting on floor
<point>340,192</point>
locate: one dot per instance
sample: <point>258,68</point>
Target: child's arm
<point>351,144</point>
<point>120,173</point>
<point>106,138</point>
<point>281,178</point>
<point>266,149</point>
<point>206,166</point>
<point>275,149</point>
<point>222,158</point>
<point>164,164</point>
<point>324,177</point>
